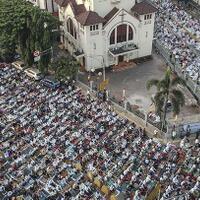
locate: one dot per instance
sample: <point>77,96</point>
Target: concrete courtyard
<point>134,79</point>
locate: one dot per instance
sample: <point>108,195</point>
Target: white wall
<point>103,7</point>
<point>146,36</point>
<point>93,47</point>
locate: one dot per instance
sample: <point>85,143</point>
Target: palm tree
<point>167,91</point>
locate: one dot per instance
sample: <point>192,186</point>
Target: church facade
<point>101,33</point>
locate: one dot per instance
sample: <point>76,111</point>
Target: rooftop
<point>111,14</point>
<point>89,18</point>
<point>143,8</point>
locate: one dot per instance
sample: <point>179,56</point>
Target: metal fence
<point>176,67</point>
<point>128,108</point>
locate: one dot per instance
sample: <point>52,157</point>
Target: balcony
<point>124,49</point>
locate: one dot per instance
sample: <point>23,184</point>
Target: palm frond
<point>159,101</point>
<point>179,96</point>
<point>163,85</point>
<point>175,105</point>
<point>177,80</point>
<point>167,77</point>
<point>168,72</point>
<point>152,82</point>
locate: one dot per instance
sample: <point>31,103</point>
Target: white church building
<point>106,32</point>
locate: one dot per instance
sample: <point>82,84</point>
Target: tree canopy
<point>26,28</point>
<point>167,91</point>
<point>65,68</point>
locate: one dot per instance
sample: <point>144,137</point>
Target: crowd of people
<point>51,139</point>
<point>179,34</point>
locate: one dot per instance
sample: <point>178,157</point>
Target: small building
<point>106,32</point>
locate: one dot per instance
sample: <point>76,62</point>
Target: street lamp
<point>92,70</point>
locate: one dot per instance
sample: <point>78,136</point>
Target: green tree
<point>22,27</point>
<point>66,67</point>
<point>167,91</point>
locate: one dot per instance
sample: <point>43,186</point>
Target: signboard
<point>103,84</point>
<point>154,193</point>
<point>36,53</point>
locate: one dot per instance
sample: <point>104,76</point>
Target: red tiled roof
<point>89,18</point>
<point>143,8</point>
<point>111,14</point>
<point>80,9</point>
<point>55,14</point>
<point>77,8</point>
<point>62,3</point>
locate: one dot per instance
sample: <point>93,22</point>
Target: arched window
<point>71,28</point>
<point>122,32</point>
<point>130,33</point>
<point>112,37</point>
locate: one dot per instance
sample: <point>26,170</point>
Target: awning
<point>123,49</point>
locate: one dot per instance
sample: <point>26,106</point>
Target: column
<point>127,57</point>
<point>116,60</point>
<point>115,35</point>
<point>127,32</point>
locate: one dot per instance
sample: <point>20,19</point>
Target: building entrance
<point>120,59</point>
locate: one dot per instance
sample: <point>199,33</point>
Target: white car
<point>33,73</point>
<point>18,65</point>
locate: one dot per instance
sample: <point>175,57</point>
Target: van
<point>18,65</point>
<point>33,73</point>
<point>50,82</point>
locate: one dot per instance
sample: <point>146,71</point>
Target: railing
<point>192,85</point>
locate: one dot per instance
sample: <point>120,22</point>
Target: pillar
<point>116,60</point>
<point>127,58</point>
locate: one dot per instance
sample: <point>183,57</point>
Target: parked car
<point>50,82</point>
<point>17,56</point>
<point>33,73</point>
<point>18,65</point>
